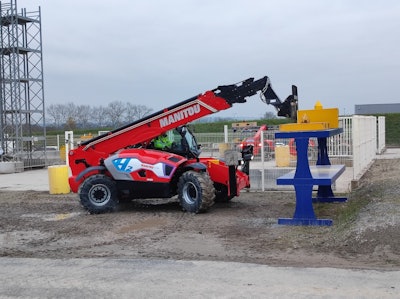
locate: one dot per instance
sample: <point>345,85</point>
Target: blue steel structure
<point>305,177</point>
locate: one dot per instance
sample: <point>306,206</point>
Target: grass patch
<point>344,213</point>
<point>349,211</point>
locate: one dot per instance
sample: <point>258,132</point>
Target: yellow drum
<point>58,179</point>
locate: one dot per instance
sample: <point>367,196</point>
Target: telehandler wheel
<point>196,191</point>
<point>98,194</point>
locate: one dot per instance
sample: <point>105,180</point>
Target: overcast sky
<point>158,53</point>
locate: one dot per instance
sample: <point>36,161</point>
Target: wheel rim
<point>99,195</point>
<point>190,193</point>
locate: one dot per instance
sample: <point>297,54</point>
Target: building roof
<point>377,108</point>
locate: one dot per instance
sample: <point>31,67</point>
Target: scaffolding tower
<point>22,109</point>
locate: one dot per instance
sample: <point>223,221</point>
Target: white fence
<point>364,131</point>
<point>362,138</point>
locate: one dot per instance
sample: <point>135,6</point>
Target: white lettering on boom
<point>179,115</point>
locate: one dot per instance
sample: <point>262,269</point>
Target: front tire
<point>196,191</point>
<point>98,194</point>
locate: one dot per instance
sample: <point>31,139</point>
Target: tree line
<point>70,116</point>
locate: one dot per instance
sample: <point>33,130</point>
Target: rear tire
<point>98,194</point>
<point>196,191</point>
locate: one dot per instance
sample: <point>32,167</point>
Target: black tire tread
<point>84,194</point>
<point>206,186</point>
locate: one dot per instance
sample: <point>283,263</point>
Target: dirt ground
<point>365,233</point>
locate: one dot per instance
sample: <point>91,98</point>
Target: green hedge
<point>392,126</point>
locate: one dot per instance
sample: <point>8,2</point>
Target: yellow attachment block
<point>314,120</point>
<point>304,127</point>
<point>329,116</point>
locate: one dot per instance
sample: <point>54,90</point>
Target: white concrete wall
<point>364,130</point>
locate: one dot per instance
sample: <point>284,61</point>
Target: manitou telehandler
<point>125,165</point>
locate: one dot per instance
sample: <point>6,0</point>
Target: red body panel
<point>219,173</point>
<point>137,165</point>
<point>142,165</point>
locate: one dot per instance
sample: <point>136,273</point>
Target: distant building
<point>377,108</point>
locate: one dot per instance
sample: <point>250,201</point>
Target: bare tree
<point>83,115</point>
<point>135,112</point>
<point>99,116</point>
<point>70,124</point>
<point>58,113</point>
<point>53,114</point>
<point>115,112</point>
<point>70,115</point>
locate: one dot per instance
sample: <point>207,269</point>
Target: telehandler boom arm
<point>220,98</point>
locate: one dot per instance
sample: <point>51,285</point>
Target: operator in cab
<point>162,142</point>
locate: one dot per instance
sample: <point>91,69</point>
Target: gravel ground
<point>364,235</point>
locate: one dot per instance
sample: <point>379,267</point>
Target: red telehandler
<point>124,164</point>
<point>255,142</point>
